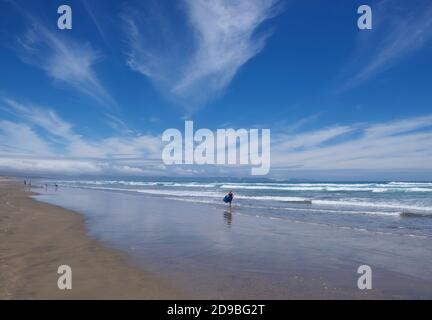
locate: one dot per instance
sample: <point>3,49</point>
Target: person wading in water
<point>229,198</point>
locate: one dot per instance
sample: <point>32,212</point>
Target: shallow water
<point>256,251</point>
<point>374,206</point>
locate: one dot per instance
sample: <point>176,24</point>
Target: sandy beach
<point>36,238</point>
<point>129,245</point>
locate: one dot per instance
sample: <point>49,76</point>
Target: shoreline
<point>36,238</point>
<point>120,248</point>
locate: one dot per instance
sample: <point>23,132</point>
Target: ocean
<point>279,240</point>
<point>403,208</point>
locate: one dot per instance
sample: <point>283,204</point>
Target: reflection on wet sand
<point>197,247</point>
<point>228,218</point>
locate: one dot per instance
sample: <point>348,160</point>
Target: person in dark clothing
<point>229,198</point>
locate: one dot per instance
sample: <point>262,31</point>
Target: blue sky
<point>341,103</point>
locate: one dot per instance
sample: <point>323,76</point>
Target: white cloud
<point>397,33</point>
<point>400,126</point>
<point>93,13</point>
<point>49,166</point>
<point>310,139</point>
<point>401,144</point>
<point>58,166</point>
<point>63,59</point>
<point>41,141</point>
<point>45,118</point>
<point>224,39</point>
<point>21,139</point>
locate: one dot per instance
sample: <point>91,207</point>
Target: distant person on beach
<point>229,198</point>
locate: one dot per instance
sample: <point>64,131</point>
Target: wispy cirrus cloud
<point>194,70</point>
<point>21,139</point>
<point>46,119</point>
<point>39,140</point>
<point>88,6</point>
<point>399,30</point>
<point>401,144</point>
<point>63,59</point>
<point>310,139</point>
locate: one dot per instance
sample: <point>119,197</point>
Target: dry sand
<point>36,238</point>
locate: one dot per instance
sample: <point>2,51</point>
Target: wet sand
<point>36,238</point>
<point>130,246</point>
<point>212,253</point>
